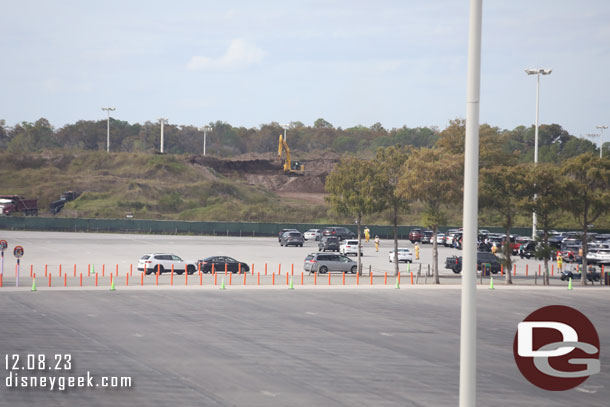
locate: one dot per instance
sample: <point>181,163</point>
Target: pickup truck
<point>490,261</point>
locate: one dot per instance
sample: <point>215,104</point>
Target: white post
<point>163,122</point>
<point>205,136</point>
<point>601,140</point>
<point>534,220</point>
<point>468,327</point>
<point>108,110</point>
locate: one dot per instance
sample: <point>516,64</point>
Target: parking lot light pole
<point>163,122</point>
<point>108,109</point>
<point>468,321</point>
<point>537,72</point>
<point>205,136</point>
<point>601,139</point>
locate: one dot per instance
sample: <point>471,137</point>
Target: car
<point>311,234</point>
<point>440,238</point>
<point>218,264</point>
<point>415,235</point>
<point>599,256</point>
<point>282,231</point>
<point>326,262</point>
<point>340,232</point>
<point>350,247</point>
<point>484,260</point>
<point>292,238</point>
<point>448,242</point>
<point>163,262</point>
<point>329,243</point>
<point>426,236</point>
<point>404,254</point>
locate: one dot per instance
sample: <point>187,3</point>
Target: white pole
<point>468,328</point>
<point>534,220</point>
<point>108,132</point>
<point>163,122</point>
<point>601,140</point>
<point>205,136</point>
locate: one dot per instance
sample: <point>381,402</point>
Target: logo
<point>556,348</point>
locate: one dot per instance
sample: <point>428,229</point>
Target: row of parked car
<point>165,263</point>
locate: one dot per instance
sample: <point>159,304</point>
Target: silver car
<point>326,262</point>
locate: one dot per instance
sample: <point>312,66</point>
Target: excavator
<point>290,167</point>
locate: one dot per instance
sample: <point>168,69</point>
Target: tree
<point>352,189</point>
<point>434,178</point>
<point>545,182</point>
<point>389,163</point>
<point>32,136</point>
<point>502,190</point>
<point>587,194</point>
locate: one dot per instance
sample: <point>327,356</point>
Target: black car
<point>340,232</point>
<point>329,243</point>
<point>487,261</point>
<point>292,238</point>
<point>219,263</point>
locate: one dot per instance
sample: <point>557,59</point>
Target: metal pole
<point>534,220</point>
<point>163,121</point>
<point>601,140</point>
<point>108,132</point>
<point>468,327</point>
<point>205,136</point>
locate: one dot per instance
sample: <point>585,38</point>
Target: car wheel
<point>456,271</point>
<point>301,245</point>
<point>190,269</point>
<point>179,272</point>
<point>354,269</point>
<point>148,271</point>
<point>160,268</point>
<point>409,261</point>
<point>323,270</point>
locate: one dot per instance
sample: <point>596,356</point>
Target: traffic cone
<point>93,268</point>
<point>34,285</point>
<point>570,283</point>
<point>291,286</point>
<point>397,283</point>
<point>491,283</point>
<point>222,284</point>
<point>112,286</point>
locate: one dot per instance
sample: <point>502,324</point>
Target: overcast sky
<point>349,62</point>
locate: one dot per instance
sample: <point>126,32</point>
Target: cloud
<point>240,54</point>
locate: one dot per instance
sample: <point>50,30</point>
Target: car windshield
<point>145,257</point>
<point>331,239</point>
<point>348,242</point>
<point>294,234</point>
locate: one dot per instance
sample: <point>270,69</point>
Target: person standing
<point>376,243</point>
<point>367,233</point>
<point>559,262</point>
<point>416,251</point>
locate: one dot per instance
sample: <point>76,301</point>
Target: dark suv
<point>329,243</point>
<point>415,235</point>
<point>279,236</point>
<point>340,232</point>
<point>292,238</point>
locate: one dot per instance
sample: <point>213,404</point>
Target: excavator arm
<point>289,167</point>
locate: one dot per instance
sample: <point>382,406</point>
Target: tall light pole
<point>601,139</point>
<point>205,136</point>
<point>537,72</point>
<point>163,122</point>
<point>285,127</point>
<point>108,109</point>
<point>468,317</point>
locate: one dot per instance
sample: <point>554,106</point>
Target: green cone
<point>222,284</point>
<point>397,283</point>
<point>112,286</point>
<point>34,285</point>
<point>291,286</point>
<point>491,283</point>
<point>570,283</point>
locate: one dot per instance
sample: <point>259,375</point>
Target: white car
<point>404,254</point>
<point>440,238</point>
<point>163,262</point>
<point>348,247</point>
<point>599,256</point>
<point>311,234</point>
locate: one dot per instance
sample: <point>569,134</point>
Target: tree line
<point>400,176</point>
<point>224,140</point>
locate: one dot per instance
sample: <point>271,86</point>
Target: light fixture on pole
<point>205,136</point>
<point>163,122</point>
<point>601,139</point>
<point>108,109</point>
<point>537,72</point>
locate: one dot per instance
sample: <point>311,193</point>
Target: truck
<point>10,204</point>
<point>484,259</point>
<point>56,206</point>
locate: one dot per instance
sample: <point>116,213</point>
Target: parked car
<point>219,263</point>
<point>163,262</point>
<point>404,254</point>
<point>340,232</point>
<point>292,238</point>
<point>599,256</point>
<point>426,236</point>
<point>440,238</point>
<point>329,243</point>
<point>448,242</point>
<point>327,262</point>
<point>311,234</point>
<point>350,247</point>
<point>528,250</point>
<point>279,236</point>
<point>484,259</point>
<point>415,235</point>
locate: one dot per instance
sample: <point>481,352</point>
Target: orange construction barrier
<point>302,274</point>
<point>117,270</point>
<point>273,279</point>
<point>371,275</point>
<point>81,279</point>
<point>126,279</point>
<point>385,278</point>
<point>258,278</point>
<point>60,270</point>
<point>411,278</point>
<point>142,279</point>
<point>75,270</point>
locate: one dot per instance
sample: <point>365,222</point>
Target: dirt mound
<point>243,166</point>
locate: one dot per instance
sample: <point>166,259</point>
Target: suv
<point>326,262</point>
<point>484,260</point>
<point>294,238</point>
<point>426,236</point>
<point>163,262</point>
<point>350,247</point>
<point>415,235</point>
<point>279,236</point>
<point>329,243</point>
<point>340,232</point>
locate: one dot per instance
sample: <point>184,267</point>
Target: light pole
<point>108,109</point>
<point>205,136</point>
<point>537,72</point>
<point>163,122</point>
<point>285,127</point>
<point>601,139</point>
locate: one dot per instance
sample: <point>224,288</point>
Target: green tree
<point>389,163</point>
<point>32,136</point>
<point>544,182</point>
<point>353,189</point>
<point>587,193</point>
<point>502,189</point>
<point>435,179</point>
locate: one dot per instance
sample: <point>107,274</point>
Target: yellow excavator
<point>290,167</point>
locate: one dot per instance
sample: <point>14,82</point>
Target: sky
<point>350,62</point>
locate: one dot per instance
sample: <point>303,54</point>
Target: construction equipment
<point>290,167</point>
<point>14,203</point>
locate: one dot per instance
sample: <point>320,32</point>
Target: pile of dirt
<point>256,166</point>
